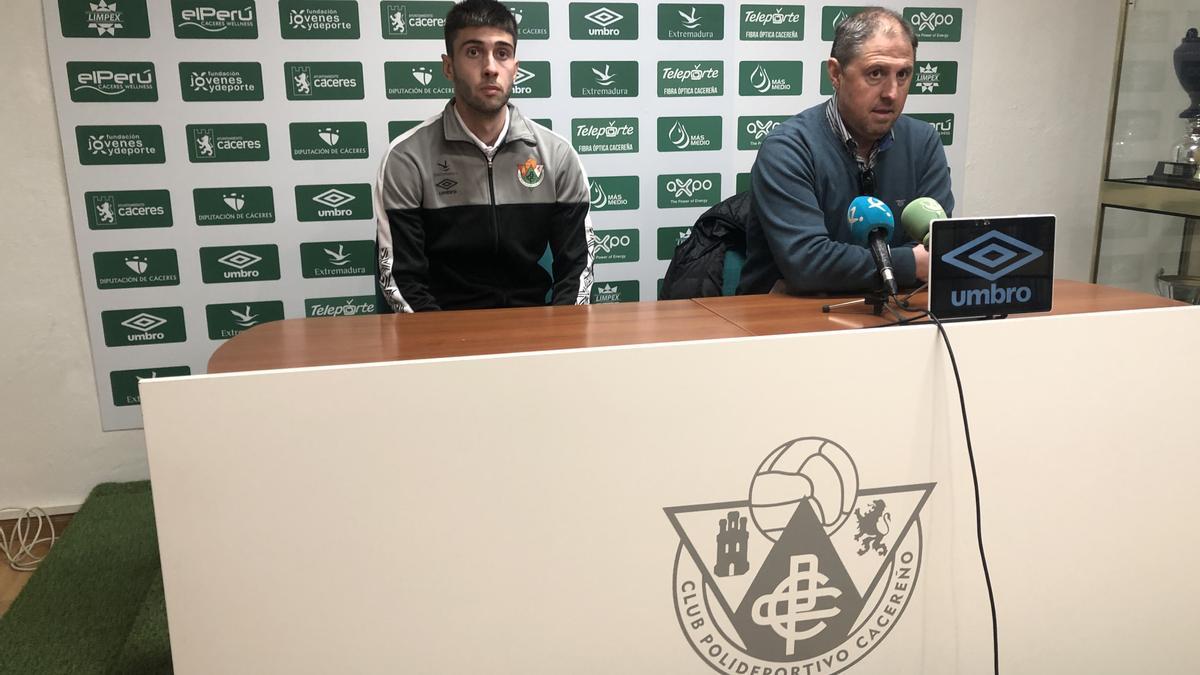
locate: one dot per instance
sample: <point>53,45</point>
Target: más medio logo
<point>689,134</point>
<point>613,193</point>
<point>215,19</point>
<point>691,22</point>
<point>318,20</point>
<point>128,209</point>
<point>691,78</point>
<point>770,78</point>
<point>120,144</point>
<point>241,205</point>
<point>414,20</point>
<point>771,22</point>
<point>103,19</point>
<point>227,143</point>
<point>220,81</point>
<point>603,21</point>
<point>807,575</point>
<point>323,80</point>
<point>112,81</point>
<point>592,136</point>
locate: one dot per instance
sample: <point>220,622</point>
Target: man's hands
<point>922,257</point>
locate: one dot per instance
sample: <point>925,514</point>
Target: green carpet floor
<point>95,605</point>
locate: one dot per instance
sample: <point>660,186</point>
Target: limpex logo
<point>807,575</point>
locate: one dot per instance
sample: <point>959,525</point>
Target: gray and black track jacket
<point>456,231</point>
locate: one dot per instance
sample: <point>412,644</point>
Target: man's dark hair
<point>850,35</point>
<point>478,14</point>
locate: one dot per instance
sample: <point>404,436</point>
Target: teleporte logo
<point>343,306</point>
<point>772,22</point>
<point>691,78</point>
<point>592,136</point>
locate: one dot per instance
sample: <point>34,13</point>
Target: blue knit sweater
<point>804,180</point>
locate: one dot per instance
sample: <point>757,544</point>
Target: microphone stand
<point>876,300</point>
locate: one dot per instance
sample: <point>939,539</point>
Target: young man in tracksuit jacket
<point>468,202</point>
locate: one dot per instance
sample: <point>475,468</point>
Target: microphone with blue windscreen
<point>871,225</point>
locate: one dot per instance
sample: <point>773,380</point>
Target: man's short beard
<point>479,106</point>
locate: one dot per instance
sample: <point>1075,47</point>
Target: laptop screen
<point>982,267</point>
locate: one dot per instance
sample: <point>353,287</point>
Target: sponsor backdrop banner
<point>220,153</point>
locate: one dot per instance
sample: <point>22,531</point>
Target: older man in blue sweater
<point>811,167</point>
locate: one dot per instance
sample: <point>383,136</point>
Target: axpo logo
<point>991,256</point>
<point>687,186</point>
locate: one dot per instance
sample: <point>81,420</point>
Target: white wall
<point>1039,105</point>
<point>1040,87</point>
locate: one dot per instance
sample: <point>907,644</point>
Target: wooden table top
<point>293,343</point>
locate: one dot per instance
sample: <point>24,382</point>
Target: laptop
<point>991,267</point>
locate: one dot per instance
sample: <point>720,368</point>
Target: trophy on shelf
<point>1185,169</point>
